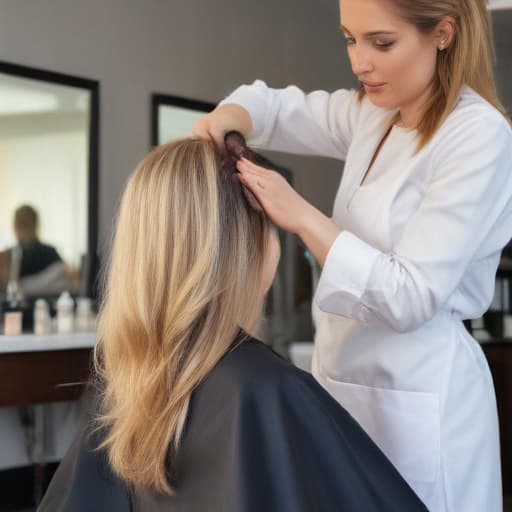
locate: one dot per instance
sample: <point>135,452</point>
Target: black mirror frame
<point>93,157</point>
<point>158,100</point>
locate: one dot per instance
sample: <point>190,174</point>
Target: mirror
<point>48,181</point>
<point>173,117</point>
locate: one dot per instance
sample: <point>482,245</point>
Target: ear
<point>444,33</point>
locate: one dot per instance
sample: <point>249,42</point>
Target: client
<point>193,413</point>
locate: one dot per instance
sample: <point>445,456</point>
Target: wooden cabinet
<point>28,378</point>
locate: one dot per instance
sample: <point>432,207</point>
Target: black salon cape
<point>261,436</point>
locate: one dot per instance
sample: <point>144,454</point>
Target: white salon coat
<point>418,254</point>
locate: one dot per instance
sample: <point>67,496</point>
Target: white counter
<point>34,343</point>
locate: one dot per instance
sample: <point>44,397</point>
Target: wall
<point>194,48</point>
<point>502,24</point>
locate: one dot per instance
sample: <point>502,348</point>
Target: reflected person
<point>37,266</point>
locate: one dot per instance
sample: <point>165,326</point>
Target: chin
<point>381,101</point>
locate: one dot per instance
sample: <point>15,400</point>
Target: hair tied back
<point>236,148</point>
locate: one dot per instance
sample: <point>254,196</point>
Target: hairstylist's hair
<point>184,276</point>
<point>26,221</point>
<point>467,60</point>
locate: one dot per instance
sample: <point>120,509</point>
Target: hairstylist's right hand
<point>221,121</point>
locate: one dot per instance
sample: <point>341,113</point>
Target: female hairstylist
<point>421,215</point>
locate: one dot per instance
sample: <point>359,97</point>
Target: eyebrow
<point>370,34</point>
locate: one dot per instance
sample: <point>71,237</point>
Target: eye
<point>349,40</point>
<point>381,45</point>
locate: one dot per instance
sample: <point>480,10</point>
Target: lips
<point>373,84</point>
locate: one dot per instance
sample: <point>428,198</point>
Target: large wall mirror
<point>48,181</point>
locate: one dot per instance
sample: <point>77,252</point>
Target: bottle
<point>13,293</point>
<point>41,317</point>
<point>65,317</point>
<point>13,310</point>
<point>13,323</point>
<point>83,317</point>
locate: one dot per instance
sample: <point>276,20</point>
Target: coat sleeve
<point>465,215</point>
<point>318,123</point>
<point>299,450</point>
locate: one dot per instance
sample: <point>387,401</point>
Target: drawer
<point>40,377</point>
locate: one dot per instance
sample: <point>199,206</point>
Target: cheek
<point>412,71</point>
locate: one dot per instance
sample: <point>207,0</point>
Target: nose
<point>360,61</point>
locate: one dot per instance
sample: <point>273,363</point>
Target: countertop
<point>41,343</point>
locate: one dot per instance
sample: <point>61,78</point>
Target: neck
<point>411,113</point>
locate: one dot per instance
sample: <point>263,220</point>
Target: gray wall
<point>196,48</point>
<point>199,49</point>
<point>502,24</point>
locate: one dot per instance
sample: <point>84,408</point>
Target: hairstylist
<point>421,215</point>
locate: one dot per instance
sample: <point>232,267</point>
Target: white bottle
<point>65,317</point>
<point>83,318</point>
<point>41,317</point>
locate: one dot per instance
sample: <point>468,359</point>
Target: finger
<point>218,138</point>
<point>252,166</point>
<point>200,128</point>
<point>253,183</point>
<point>244,165</point>
<point>250,174</point>
<point>202,133</point>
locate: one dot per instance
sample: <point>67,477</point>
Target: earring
<point>442,45</point>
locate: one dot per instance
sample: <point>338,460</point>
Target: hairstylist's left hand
<point>288,209</point>
<point>283,205</point>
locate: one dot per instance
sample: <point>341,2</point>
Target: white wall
<point>195,48</point>
<point>47,171</point>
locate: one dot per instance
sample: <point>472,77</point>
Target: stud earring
<point>442,45</point>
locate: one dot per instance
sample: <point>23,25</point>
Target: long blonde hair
<point>467,60</point>
<point>184,276</point>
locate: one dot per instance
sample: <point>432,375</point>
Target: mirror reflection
<point>45,173</point>
<point>173,117</point>
<point>32,267</point>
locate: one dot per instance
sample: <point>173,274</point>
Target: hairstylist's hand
<point>288,209</point>
<point>283,205</point>
<point>222,120</point>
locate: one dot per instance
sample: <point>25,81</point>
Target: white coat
<point>418,254</point>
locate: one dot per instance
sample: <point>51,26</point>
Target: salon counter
<point>48,342</point>
<point>43,369</point>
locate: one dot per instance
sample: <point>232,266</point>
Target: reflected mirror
<point>48,182</point>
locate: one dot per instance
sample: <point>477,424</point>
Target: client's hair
<point>184,275</point>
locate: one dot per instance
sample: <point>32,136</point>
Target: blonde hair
<point>467,60</point>
<point>184,276</point>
